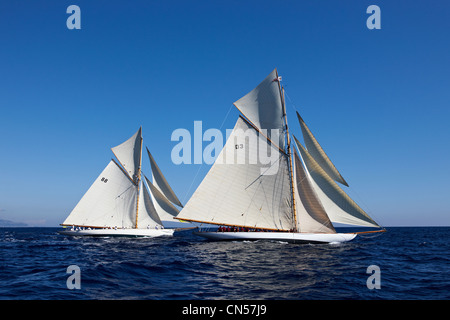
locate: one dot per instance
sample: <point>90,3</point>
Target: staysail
<point>311,215</point>
<point>148,215</point>
<point>165,209</point>
<point>242,190</point>
<point>316,151</point>
<point>338,205</point>
<point>161,183</point>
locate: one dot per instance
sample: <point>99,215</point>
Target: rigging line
<point>224,119</point>
<point>258,207</point>
<point>361,201</point>
<point>301,181</point>
<point>201,166</point>
<point>192,183</point>
<point>262,174</point>
<point>124,191</point>
<point>291,102</point>
<point>261,186</point>
<point>113,211</point>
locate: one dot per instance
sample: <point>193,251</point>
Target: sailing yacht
<point>121,203</point>
<point>294,199</point>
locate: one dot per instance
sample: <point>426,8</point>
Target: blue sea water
<point>413,264</point>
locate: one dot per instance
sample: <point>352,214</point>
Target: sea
<point>404,263</point>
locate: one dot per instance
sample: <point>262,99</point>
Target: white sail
<point>311,216</point>
<point>147,213</point>
<point>338,205</point>
<point>160,182</point>
<point>109,202</point>
<point>129,155</point>
<point>316,151</point>
<point>164,208</point>
<point>237,192</point>
<point>264,108</point>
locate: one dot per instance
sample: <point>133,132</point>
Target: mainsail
<point>109,202</point>
<point>238,189</point>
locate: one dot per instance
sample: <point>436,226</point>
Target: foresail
<point>109,202</point>
<point>316,151</point>
<point>161,183</point>
<point>165,209</point>
<point>129,155</point>
<point>148,216</point>
<point>311,216</point>
<point>338,205</point>
<point>263,107</point>
<point>242,190</point>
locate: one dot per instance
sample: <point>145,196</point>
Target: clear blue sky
<point>377,100</point>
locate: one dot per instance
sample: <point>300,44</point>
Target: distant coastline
<point>8,224</point>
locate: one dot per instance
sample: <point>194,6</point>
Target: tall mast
<point>289,153</point>
<point>138,183</point>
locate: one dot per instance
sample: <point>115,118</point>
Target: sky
<point>377,100</point>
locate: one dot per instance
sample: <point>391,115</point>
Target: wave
<point>412,264</point>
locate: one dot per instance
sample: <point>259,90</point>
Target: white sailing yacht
<point>295,198</point>
<point>121,203</point>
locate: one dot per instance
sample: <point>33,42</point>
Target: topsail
<point>263,107</point>
<point>129,155</point>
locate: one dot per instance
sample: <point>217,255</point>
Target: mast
<point>289,154</point>
<point>138,183</point>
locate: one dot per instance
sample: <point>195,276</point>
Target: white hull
<point>119,232</point>
<point>280,236</point>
